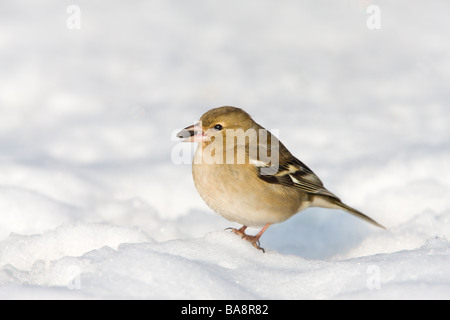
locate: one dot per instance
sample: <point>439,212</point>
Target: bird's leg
<point>254,240</point>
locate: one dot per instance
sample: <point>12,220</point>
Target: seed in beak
<point>192,133</point>
<point>186,132</point>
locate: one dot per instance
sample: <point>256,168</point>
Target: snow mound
<point>217,266</point>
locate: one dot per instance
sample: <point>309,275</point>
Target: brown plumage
<point>247,175</point>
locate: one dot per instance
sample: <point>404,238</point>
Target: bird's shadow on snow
<point>317,234</point>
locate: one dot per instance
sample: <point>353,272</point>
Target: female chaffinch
<point>245,174</point>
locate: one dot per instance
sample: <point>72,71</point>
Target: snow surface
<point>93,204</point>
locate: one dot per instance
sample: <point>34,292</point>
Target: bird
<point>245,174</point>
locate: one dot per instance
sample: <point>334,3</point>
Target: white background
<point>92,205</point>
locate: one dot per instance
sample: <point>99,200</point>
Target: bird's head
<point>217,121</point>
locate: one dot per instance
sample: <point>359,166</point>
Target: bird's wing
<point>291,172</point>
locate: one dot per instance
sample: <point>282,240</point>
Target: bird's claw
<point>254,240</point>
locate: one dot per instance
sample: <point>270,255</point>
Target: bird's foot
<point>254,240</point>
<point>239,232</point>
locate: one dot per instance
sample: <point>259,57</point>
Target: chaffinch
<point>245,174</point>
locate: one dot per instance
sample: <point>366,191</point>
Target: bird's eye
<point>218,127</point>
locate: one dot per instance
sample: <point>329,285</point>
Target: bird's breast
<point>237,193</point>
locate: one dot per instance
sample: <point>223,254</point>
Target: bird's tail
<point>355,212</point>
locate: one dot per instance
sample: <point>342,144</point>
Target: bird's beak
<point>192,133</point>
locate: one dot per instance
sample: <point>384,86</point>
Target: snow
<point>95,204</point>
